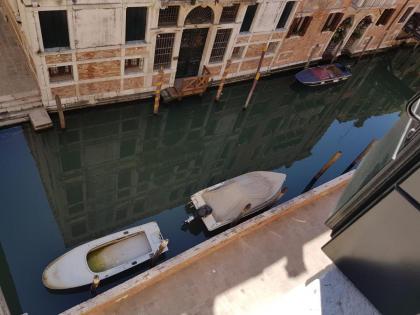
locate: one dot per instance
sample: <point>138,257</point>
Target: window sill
<point>281,30</point>
<point>133,73</point>
<point>135,43</point>
<point>60,81</point>
<point>56,50</point>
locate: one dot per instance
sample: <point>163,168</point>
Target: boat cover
<point>322,73</point>
<point>228,200</point>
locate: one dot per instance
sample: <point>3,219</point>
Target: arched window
<point>200,15</point>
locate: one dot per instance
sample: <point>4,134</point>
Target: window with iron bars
<point>229,14</point>
<point>238,52</point>
<point>168,16</point>
<point>405,15</point>
<point>220,44</point>
<point>61,73</point>
<point>271,49</point>
<point>133,65</point>
<point>163,51</point>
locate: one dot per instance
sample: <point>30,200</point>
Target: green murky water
<point>120,166</point>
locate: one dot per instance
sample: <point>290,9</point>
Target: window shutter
<point>292,29</point>
<point>305,25</point>
<point>336,21</point>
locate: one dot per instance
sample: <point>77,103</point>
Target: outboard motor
<point>204,211</point>
<point>201,212</point>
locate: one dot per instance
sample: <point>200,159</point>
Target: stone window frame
<point>146,25</point>
<point>407,14</point>
<point>39,30</point>
<point>220,45</point>
<point>254,19</point>
<point>169,18</point>
<point>60,78</point>
<point>164,52</point>
<point>229,14</point>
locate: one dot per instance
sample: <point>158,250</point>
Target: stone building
<point>91,52</point>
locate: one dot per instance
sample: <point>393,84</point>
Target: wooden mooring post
<point>359,157</point>
<point>222,81</point>
<point>257,77</point>
<point>60,112</point>
<point>158,90</point>
<point>326,166</point>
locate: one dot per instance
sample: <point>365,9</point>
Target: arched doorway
<point>193,41</point>
<point>338,38</point>
<point>357,34</point>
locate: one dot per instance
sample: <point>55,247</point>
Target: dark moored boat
<point>323,74</point>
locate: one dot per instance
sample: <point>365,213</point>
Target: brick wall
<point>98,69</point>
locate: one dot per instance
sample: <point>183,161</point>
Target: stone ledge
<point>186,258</point>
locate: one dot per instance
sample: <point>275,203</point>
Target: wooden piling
<point>257,77</point>
<point>157,93</point>
<point>60,112</point>
<point>163,244</point>
<point>360,156</point>
<point>314,48</point>
<point>340,46</point>
<point>222,81</point>
<point>324,168</point>
<point>94,285</point>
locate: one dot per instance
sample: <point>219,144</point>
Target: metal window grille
<point>163,50</point>
<point>238,52</point>
<point>62,73</point>
<point>133,65</point>
<point>168,16</point>
<point>405,15</point>
<point>220,44</point>
<point>229,14</point>
<point>271,49</point>
<point>200,15</point>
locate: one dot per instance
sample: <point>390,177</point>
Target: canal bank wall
<point>312,201</point>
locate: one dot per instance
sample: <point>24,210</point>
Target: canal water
<point>119,166</point>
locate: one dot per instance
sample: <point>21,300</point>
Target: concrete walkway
<point>15,73</point>
<point>248,269</point>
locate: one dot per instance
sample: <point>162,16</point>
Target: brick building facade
<point>88,52</point>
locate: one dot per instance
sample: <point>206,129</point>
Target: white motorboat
<point>105,257</point>
<point>236,198</point>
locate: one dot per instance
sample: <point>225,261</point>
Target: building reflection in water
<point>115,165</point>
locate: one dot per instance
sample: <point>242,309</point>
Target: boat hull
<point>322,75</point>
<point>220,217</point>
<point>114,253</point>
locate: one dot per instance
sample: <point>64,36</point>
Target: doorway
<point>191,52</point>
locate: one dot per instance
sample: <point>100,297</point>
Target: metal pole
<point>257,77</point>
<point>326,166</point>
<point>336,52</point>
<point>60,112</point>
<point>157,93</point>
<point>360,156</point>
<point>314,48</point>
<point>364,48</point>
<point>222,81</point>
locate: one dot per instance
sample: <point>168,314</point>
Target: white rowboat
<point>238,197</point>
<point>105,257</point>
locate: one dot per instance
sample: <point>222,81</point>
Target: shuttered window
<point>220,43</point>
<point>135,24</point>
<point>299,26</point>
<point>168,16</point>
<point>406,14</point>
<point>385,16</point>
<point>163,51</point>
<point>332,22</point>
<point>285,15</point>
<point>54,28</point>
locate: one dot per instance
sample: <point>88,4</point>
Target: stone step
<point>20,102</point>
